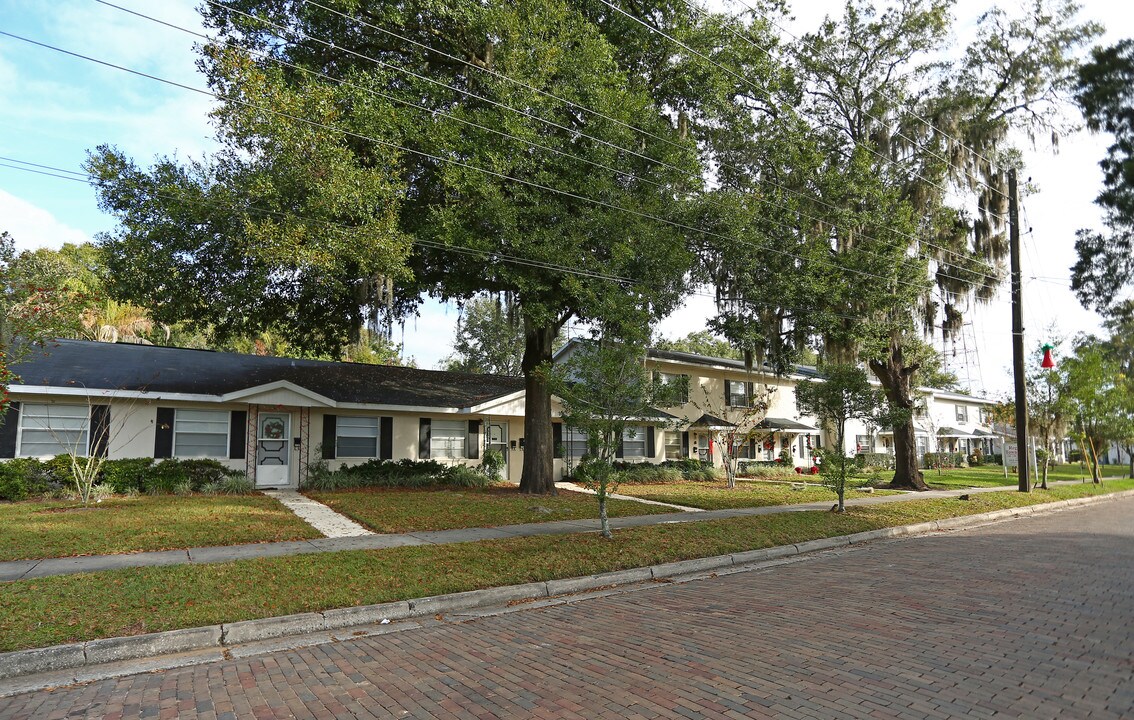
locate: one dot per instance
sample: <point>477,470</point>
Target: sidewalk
<point>29,569</point>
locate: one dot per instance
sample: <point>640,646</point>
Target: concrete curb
<point>95,652</point>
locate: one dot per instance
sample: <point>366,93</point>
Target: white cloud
<point>33,227</point>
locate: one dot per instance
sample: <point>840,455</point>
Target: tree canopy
<point>1106,260</point>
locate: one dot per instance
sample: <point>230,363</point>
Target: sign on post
<point>1011,455</point>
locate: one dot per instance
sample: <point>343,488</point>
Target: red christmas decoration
<point>1047,362</point>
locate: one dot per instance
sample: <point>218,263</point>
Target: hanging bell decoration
<point>1047,362</point>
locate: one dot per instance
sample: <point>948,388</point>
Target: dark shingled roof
<point>123,366</point>
<point>695,359</point>
<point>771,423</point>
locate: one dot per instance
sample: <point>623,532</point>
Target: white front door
<point>273,450</point>
<point>496,438</point>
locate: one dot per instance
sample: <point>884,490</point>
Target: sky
<point>55,108</point>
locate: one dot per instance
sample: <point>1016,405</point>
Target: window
<point>53,430</point>
<point>672,445</point>
<point>737,393</point>
<point>634,442</point>
<point>983,414</point>
<point>200,433</point>
<point>574,443</point>
<point>447,439</point>
<point>962,413</point>
<point>673,379</point>
<point>863,444</point>
<point>356,437</point>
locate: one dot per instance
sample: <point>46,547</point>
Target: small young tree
<point>845,394</point>
<point>104,422</point>
<point>604,388</point>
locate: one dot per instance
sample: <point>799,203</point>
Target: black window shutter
<point>8,431</point>
<point>557,439</point>
<point>620,452</point>
<point>99,437</point>
<point>163,437</point>
<point>237,434</point>
<point>727,394</point>
<point>752,448</point>
<point>751,395</point>
<point>330,432</point>
<point>472,441</point>
<point>650,448</point>
<point>423,439</point>
<point>685,444</point>
<point>386,438</point>
<point>684,389</point>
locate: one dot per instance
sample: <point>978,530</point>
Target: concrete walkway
<point>28,569</point>
<point>318,515</point>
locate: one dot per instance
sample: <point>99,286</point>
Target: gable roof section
<point>154,369</point>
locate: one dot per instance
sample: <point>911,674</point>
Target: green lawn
<point>993,476</point>
<point>387,510</point>
<point>71,608</point>
<point>146,522</point>
<point>718,496</point>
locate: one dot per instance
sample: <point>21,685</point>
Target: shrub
<point>882,461</point>
<point>167,477</point>
<point>13,486</point>
<point>761,470</point>
<point>202,471</point>
<point>59,468</point>
<point>396,473</point>
<point>944,460</point>
<point>234,483</point>
<point>127,475</point>
<point>464,476</point>
<point>493,465</point>
<point>641,473</point>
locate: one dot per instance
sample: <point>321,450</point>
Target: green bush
<point>13,486</point>
<point>126,475</point>
<point>22,478</point>
<point>397,473</point>
<point>944,460</point>
<point>167,477</point>
<point>493,465</point>
<point>882,461</point>
<point>202,471</point>
<point>233,483</point>
<point>639,473</point>
<point>59,467</point>
<point>762,469</point>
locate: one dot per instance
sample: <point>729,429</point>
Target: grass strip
<point>71,608</point>
<point>718,496</point>
<point>993,476</point>
<point>392,510</point>
<point>58,528</point>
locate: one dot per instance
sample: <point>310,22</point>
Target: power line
<point>86,179</point>
<point>760,198</point>
<point>502,176</point>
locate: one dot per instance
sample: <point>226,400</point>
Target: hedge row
<point>393,473</point>
<point>23,478</point>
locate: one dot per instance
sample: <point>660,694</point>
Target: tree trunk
<point>897,381</point>
<point>539,452</point>
<point>604,522</point>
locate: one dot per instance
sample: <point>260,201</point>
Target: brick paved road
<point>1033,618</point>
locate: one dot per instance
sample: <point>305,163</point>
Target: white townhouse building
<point>271,416</point>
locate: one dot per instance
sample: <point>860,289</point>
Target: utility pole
<point>1018,335</point>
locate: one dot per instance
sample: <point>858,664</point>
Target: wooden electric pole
<point>1018,336</point>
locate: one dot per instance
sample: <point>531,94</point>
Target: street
<point>1032,618</point>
